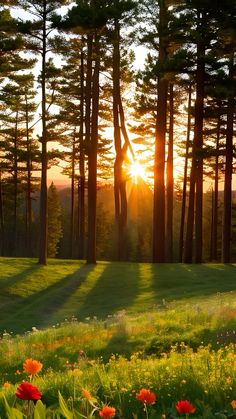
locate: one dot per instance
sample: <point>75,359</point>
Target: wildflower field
<point>175,358</point>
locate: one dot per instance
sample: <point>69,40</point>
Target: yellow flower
<point>233,404</point>
<point>6,385</point>
<point>75,372</point>
<point>32,367</point>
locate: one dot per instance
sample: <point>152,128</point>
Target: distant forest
<point>148,148</point>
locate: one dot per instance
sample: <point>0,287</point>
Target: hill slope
<point>37,296</point>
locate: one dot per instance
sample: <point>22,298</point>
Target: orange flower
<point>233,404</point>
<point>6,385</point>
<point>107,412</point>
<point>146,396</point>
<point>184,406</point>
<point>32,367</point>
<point>88,395</point>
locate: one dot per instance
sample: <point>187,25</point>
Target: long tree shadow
<point>115,290</point>
<point>38,309</point>
<point>181,281</point>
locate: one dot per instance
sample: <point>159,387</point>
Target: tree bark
<point>214,235</point>
<point>159,158</point>
<point>184,194</point>
<point>227,212</point>
<point>92,157</point>
<point>72,203</point>
<point>196,176</point>
<point>198,135</point>
<point>15,183</point>
<point>81,180</point>
<point>120,195</point>
<point>1,218</point>
<point>170,178</point>
<point>28,191</point>
<point>44,158</point>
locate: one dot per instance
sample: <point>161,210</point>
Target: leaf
<point>12,413</point>
<point>64,409</point>
<point>40,410</point>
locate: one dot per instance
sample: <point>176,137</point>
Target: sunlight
<point>136,171</point>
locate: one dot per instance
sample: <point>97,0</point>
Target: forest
<point>133,101</point>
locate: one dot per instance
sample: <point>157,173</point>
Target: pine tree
<point>38,32</point>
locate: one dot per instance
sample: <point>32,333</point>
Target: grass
<point>168,328</point>
<point>41,296</point>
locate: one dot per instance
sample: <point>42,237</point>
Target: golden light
<point>136,171</point>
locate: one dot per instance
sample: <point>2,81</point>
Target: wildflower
<point>87,395</point>
<point>233,404</point>
<point>146,396</point>
<point>17,372</point>
<point>6,385</point>
<point>107,412</point>
<point>26,391</point>
<point>184,406</point>
<point>32,367</point>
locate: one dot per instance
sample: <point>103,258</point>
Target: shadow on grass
<point>180,281</point>
<point>38,309</point>
<point>115,290</point>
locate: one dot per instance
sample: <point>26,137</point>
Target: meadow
<point>103,333</point>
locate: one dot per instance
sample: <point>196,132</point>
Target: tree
<point>54,221</point>
<point>38,34</point>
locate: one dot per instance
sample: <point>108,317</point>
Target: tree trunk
<point>15,183</point>
<point>214,235</point>
<point>43,189</point>
<point>184,194</point>
<point>159,159</point>
<point>198,138</point>
<point>196,176</point>
<point>170,179</point>
<point>120,195</point>
<point>81,180</point>
<point>28,190</point>
<point>92,157</point>
<point>1,218</point>
<point>227,212</point>
<point>72,202</point>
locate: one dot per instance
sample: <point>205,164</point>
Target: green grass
<point>169,328</point>
<point>40,296</point>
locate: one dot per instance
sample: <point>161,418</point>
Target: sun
<point>136,171</point>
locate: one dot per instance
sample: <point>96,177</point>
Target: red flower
<point>107,412</point>
<point>27,391</point>
<point>184,406</point>
<point>146,396</point>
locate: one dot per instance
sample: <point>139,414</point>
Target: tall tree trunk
<point>15,183</point>
<point>196,176</point>
<point>92,157</point>
<point>227,212</point>
<point>198,135</point>
<point>81,180</point>
<point>184,194</point>
<point>214,235</point>
<point>28,188</point>
<point>72,202</point>
<point>159,159</point>
<point>120,195</point>
<point>1,218</point>
<point>43,189</point>
<point>170,179</point>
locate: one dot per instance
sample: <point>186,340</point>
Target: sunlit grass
<point>36,296</point>
<point>169,328</point>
